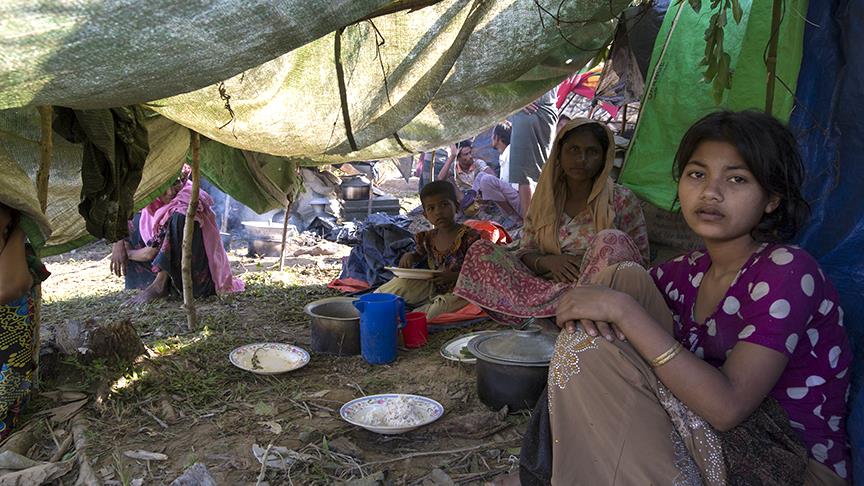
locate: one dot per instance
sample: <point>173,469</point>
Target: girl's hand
<point>564,268</point>
<point>408,260</point>
<point>597,308</point>
<point>446,278</point>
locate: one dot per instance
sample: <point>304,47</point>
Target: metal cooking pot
<point>335,326</point>
<point>355,188</point>
<point>512,367</point>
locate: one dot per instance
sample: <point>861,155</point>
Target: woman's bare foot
<point>153,291</point>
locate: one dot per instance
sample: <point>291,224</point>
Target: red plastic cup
<point>415,332</point>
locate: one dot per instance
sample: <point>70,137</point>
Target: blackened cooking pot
<point>512,367</point>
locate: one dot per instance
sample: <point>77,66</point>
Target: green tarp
<point>676,94</point>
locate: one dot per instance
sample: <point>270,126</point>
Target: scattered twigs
<point>438,453</point>
<point>263,470</point>
<point>154,417</point>
<point>61,449</point>
<point>86,475</point>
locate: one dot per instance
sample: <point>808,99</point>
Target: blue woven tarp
<point>826,118</point>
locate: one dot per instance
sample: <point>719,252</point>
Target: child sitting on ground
<point>443,248</point>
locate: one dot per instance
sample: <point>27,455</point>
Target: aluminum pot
<point>512,367</point>
<point>335,326</point>
<point>355,188</point>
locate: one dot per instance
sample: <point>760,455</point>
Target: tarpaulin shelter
<point>827,121</point>
<point>309,81</point>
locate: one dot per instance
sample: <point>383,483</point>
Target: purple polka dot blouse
<point>782,300</point>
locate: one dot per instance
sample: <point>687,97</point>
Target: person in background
<point>442,248</point>
<point>464,171</point>
<point>531,144</point>
<point>21,272</point>
<point>150,258</point>
<point>498,190</point>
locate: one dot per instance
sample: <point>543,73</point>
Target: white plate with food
<point>391,413</point>
<point>269,358</point>
<point>457,349</point>
<point>414,273</point>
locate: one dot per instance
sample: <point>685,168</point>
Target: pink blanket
<point>156,214</point>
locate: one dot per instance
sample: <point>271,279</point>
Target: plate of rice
<point>392,413</point>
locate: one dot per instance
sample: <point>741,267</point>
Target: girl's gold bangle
<point>667,355</point>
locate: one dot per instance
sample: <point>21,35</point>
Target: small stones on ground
<point>196,475</point>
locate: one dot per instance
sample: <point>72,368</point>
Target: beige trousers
<point>614,423</point>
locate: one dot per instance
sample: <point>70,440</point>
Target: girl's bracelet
<point>667,356</point>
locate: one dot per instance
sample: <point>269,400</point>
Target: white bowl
<point>361,411</point>
<point>272,358</point>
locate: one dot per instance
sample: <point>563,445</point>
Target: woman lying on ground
<point>579,222</point>
<point>726,365</point>
<point>21,271</point>
<point>150,258</point>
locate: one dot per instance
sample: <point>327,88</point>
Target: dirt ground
<point>186,401</point>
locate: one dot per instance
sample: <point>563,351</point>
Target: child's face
<point>439,210</point>
<point>720,198</point>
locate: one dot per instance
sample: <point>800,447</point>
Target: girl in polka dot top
<point>753,323</point>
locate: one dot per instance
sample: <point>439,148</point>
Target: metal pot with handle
<point>512,367</point>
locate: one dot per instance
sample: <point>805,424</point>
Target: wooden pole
<point>771,62</point>
<point>47,147</point>
<point>284,234</point>
<point>46,150</point>
<point>188,232</point>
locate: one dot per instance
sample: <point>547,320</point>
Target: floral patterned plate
<point>392,413</point>
<point>269,358</point>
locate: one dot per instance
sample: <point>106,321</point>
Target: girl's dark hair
<point>439,188</point>
<point>770,151</point>
<point>595,129</point>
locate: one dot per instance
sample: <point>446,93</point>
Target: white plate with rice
<point>391,413</point>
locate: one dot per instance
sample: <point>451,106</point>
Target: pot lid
<point>528,347</point>
<point>355,181</point>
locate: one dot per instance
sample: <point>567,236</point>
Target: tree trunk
<point>188,231</point>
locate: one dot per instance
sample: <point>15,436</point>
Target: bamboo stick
<point>46,146</point>
<point>284,234</point>
<point>771,61</point>
<point>188,233</point>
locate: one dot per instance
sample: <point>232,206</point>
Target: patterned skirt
<point>17,363</point>
<point>496,279</point>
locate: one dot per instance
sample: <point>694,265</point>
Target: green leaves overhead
<point>716,60</point>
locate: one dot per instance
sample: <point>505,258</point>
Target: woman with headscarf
<point>578,223</point>
<point>150,258</point>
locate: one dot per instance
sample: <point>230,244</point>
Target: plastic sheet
<point>830,101</point>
